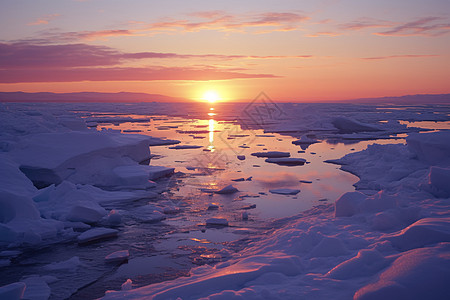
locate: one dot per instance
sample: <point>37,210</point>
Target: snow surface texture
<point>54,150</point>
<point>391,243</point>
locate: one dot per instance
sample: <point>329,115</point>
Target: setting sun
<point>211,96</point>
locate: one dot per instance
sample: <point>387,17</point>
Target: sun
<point>211,96</point>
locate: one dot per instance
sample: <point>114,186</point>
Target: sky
<point>293,50</point>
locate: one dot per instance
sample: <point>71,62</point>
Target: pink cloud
<point>44,20</point>
<point>25,55</point>
<point>122,74</point>
<point>429,26</point>
<point>400,56</point>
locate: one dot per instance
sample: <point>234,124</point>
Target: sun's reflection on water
<point>211,130</point>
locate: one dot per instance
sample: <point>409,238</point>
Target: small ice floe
<point>178,147</point>
<point>305,181</point>
<point>217,222</point>
<point>271,154</point>
<point>156,172</point>
<point>304,140</point>
<point>264,135</point>
<point>229,189</point>
<point>114,218</point>
<point>238,179</point>
<point>287,161</point>
<point>117,256</point>
<point>150,215</point>
<point>241,157</point>
<point>213,206</point>
<point>250,206</point>
<point>244,146</point>
<point>285,191</point>
<point>96,234</point>
<point>209,191</point>
<point>68,265</point>
<point>127,285</point>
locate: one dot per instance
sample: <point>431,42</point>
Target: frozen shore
<point>60,181</point>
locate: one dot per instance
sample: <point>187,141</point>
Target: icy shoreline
<point>355,248</point>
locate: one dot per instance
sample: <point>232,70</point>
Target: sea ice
<point>287,161</point>
<point>229,189</point>
<point>285,191</point>
<point>120,255</point>
<point>96,234</point>
<point>178,147</point>
<point>217,222</point>
<point>271,154</point>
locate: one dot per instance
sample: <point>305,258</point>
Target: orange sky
<point>292,50</point>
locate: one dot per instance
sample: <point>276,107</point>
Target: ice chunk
<point>120,255</point>
<point>68,265</point>
<point>287,161</point>
<point>149,214</point>
<point>285,191</point>
<point>96,234</point>
<point>272,154</point>
<point>86,214</point>
<point>114,218</point>
<point>432,148</point>
<point>241,157</point>
<point>13,291</point>
<point>84,157</point>
<point>178,147</point>
<point>439,181</point>
<point>417,274</point>
<point>348,204</point>
<point>421,233</point>
<point>136,176</point>
<point>37,288</point>
<point>229,189</point>
<point>213,206</point>
<point>217,222</point>
<point>127,285</point>
<point>345,125</point>
<point>305,140</point>
<point>157,172</point>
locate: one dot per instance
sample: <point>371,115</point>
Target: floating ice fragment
<point>96,234</point>
<point>272,154</point>
<point>217,222</point>
<point>178,147</point>
<point>304,140</point>
<point>68,265</point>
<point>157,172</point>
<point>229,189</point>
<point>287,161</point>
<point>127,285</point>
<point>120,255</point>
<point>241,157</point>
<point>213,206</point>
<point>285,191</point>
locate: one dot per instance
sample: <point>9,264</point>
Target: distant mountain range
<point>409,99</point>
<point>86,97</point>
<point>143,97</point>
